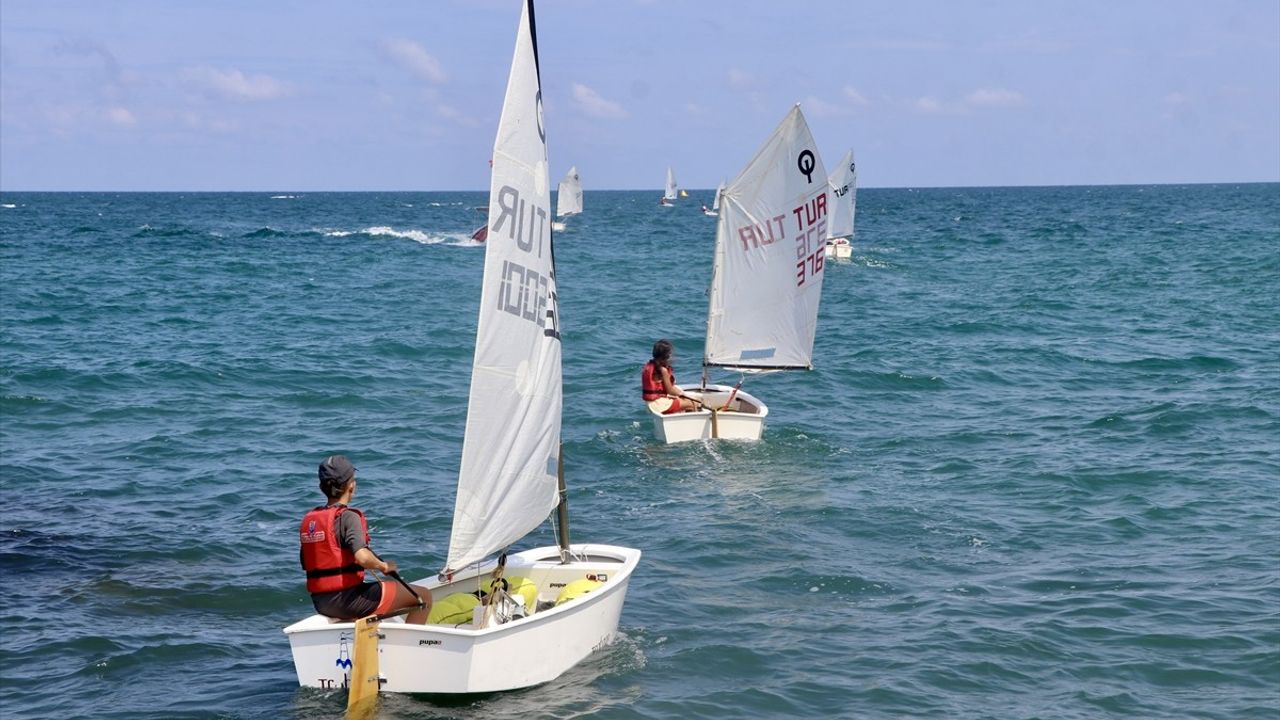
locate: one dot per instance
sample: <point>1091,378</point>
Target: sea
<point>1033,473</point>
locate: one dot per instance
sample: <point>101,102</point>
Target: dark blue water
<point>1033,475</point>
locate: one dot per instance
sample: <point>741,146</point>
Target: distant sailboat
<point>844,193</point>
<point>714,210</point>
<point>523,619</point>
<point>568,198</point>
<point>766,282</point>
<point>669,194</point>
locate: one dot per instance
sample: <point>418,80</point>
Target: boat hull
<point>839,248</point>
<point>457,660</point>
<point>745,422</point>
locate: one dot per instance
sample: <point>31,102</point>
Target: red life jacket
<point>651,382</point>
<point>330,567</point>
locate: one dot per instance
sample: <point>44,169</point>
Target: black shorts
<point>355,602</point>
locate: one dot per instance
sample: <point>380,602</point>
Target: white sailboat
<point>669,194</point>
<point>765,284</point>
<point>568,198</point>
<point>507,483</point>
<point>844,193</point>
<point>714,211</point>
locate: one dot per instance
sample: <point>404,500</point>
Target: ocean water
<point>1034,473</point>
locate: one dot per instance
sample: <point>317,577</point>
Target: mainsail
<point>569,194</point>
<point>670,192</point>
<point>844,190</point>
<point>507,480</point>
<point>770,245</point>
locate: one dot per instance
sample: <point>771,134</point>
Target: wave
<point>285,197</point>
<point>147,231</point>
<point>265,232</point>
<point>9,206</point>
<point>418,236</point>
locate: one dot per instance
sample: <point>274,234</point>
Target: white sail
<point>670,192</point>
<point>843,184</point>
<point>569,194</point>
<point>770,242</point>
<point>715,204</point>
<point>507,480</point>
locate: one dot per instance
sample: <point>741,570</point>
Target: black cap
<point>336,470</point>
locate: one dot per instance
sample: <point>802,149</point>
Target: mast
<point>562,511</point>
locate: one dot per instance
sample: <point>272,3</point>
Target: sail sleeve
<point>842,183</point>
<point>770,243</point>
<point>507,479</point>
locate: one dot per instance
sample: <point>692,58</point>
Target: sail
<point>670,192</point>
<point>715,204</point>
<point>770,242</point>
<point>507,480</point>
<point>843,184</point>
<point>569,194</point>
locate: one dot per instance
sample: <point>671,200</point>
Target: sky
<point>405,95</point>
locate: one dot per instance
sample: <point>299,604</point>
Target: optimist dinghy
<point>568,198</point>
<point>765,284</point>
<point>551,606</point>
<point>844,193</point>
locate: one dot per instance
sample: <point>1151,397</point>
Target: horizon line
<point>659,190</point>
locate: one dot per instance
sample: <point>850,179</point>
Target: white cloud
<point>1177,98</point>
<point>413,57</point>
<point>235,85</point>
<point>121,117</point>
<point>740,80</point>
<point>822,109</point>
<point>451,113</point>
<point>994,97</point>
<point>590,102</point>
<point>854,96</point>
<point>928,105</point>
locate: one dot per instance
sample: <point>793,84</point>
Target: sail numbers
<point>811,236</point>
<point>526,291</point>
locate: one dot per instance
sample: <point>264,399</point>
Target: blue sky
<point>317,95</point>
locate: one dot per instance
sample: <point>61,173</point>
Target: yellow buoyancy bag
<point>577,589</point>
<point>453,610</point>
<point>523,587</point>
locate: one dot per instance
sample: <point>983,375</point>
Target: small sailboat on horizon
<point>766,283</point>
<point>844,204</point>
<point>714,210</point>
<point>669,193</point>
<point>568,198</point>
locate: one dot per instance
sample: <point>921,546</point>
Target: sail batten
<point>770,245</point>
<point>507,478</point>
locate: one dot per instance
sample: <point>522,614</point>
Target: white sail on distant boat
<point>844,194</point>
<point>568,198</point>
<point>669,194</point>
<point>714,211</point>
<point>766,282</point>
<point>536,626</point>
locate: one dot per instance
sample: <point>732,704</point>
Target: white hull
<point>449,659</point>
<point>711,213</point>
<point>744,422</point>
<point>557,226</point>
<point>839,248</point>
